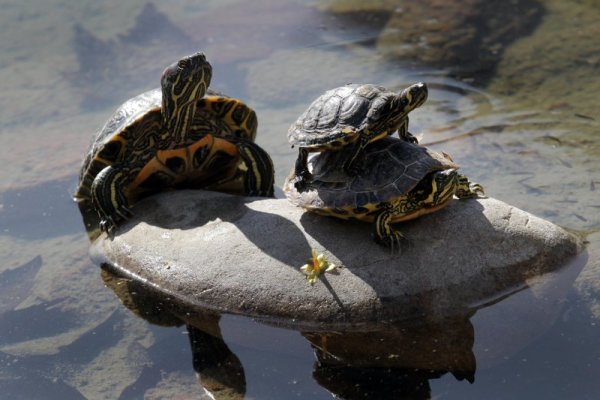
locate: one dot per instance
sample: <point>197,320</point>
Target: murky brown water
<point>513,98</point>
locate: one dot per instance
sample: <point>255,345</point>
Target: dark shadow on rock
<point>422,237</point>
<point>271,233</point>
<point>451,259</point>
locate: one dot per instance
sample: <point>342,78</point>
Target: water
<point>520,117</point>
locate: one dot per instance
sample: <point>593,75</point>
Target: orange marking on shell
<point>159,162</point>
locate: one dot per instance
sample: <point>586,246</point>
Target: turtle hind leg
<point>466,189</point>
<point>260,173</point>
<point>109,199</point>
<point>384,234</point>
<point>301,172</point>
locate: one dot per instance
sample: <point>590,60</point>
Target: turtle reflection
<point>393,360</point>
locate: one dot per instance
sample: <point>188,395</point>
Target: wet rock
<point>242,255</point>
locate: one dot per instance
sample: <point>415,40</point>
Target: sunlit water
<point>65,335</point>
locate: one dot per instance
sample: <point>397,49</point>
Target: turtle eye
<point>183,64</point>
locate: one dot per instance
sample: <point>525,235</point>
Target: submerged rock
<point>466,38</point>
<point>242,255</point>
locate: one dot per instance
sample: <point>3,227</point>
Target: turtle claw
<point>395,242</point>
<point>408,137</point>
<point>467,189</point>
<point>108,223</point>
<point>302,180</point>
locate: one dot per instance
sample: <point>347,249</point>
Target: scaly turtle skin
<point>352,115</point>
<point>399,181</point>
<point>181,132</point>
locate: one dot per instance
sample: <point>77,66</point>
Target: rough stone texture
<point>242,255</point>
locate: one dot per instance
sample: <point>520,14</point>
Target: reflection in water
<point>220,372</point>
<point>386,360</point>
<point>397,361</point>
<point>392,360</point>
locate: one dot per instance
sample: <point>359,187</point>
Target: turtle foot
<point>108,223</point>
<point>395,242</point>
<point>408,137</point>
<point>467,189</point>
<point>302,180</point>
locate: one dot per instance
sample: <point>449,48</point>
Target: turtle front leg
<point>260,174</point>
<point>303,176</point>
<point>466,189</point>
<point>109,199</point>
<point>404,134</point>
<point>383,233</point>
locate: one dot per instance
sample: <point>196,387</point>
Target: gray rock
<point>242,255</point>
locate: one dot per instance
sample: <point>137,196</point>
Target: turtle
<point>399,181</point>
<point>352,116</point>
<point>179,133</point>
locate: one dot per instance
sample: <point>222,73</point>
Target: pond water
<point>513,98</point>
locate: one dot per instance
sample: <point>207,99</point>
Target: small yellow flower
<point>316,265</point>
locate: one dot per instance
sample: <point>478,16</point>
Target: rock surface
<point>242,255</point>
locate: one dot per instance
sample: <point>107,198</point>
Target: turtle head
<point>183,83</point>
<point>410,98</point>
<point>413,97</point>
<point>443,187</point>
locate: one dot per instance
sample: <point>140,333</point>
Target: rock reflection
<point>219,371</point>
<point>391,360</point>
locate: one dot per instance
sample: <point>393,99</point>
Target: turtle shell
<point>391,168</point>
<point>137,119</point>
<point>340,115</point>
<point>136,131</point>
